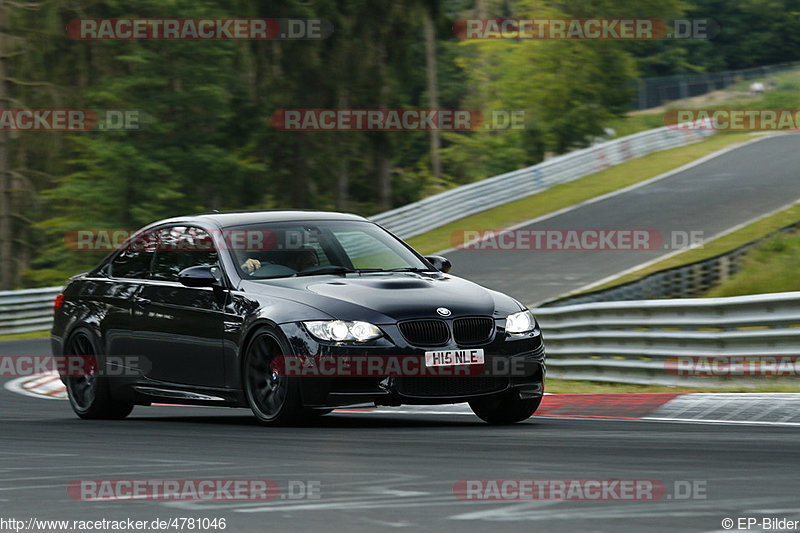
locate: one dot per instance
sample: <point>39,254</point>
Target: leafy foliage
<point>206,140</point>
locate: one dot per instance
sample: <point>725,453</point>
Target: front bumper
<point>522,357</point>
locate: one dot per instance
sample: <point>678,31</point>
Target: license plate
<point>454,357</point>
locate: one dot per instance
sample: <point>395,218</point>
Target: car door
<point>114,290</point>
<point>178,328</point>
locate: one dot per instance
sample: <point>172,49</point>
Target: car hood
<point>390,296</point>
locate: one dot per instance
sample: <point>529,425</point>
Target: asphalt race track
<point>394,470</point>
<point>397,470</point>
<point>711,197</point>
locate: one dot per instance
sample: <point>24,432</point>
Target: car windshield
<point>286,249</point>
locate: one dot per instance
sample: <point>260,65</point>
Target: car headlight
<point>341,330</point>
<point>521,322</point>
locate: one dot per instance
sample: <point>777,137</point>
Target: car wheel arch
<point>251,331</point>
<point>94,335</point>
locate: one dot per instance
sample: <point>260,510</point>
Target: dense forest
<point>206,141</point>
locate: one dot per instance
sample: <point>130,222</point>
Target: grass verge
<point>567,194</point>
<point>769,267</point>
<point>43,334</point>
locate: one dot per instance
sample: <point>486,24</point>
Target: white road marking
<point>610,510</point>
<point>722,422</point>
<point>660,258</point>
<point>619,191</point>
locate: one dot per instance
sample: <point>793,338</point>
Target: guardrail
<point>26,310</point>
<point>638,341</point>
<point>445,207</point>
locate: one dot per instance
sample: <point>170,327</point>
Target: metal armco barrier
<point>27,310</point>
<point>633,341</point>
<point>440,209</point>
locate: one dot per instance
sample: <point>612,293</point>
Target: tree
<point>7,268</point>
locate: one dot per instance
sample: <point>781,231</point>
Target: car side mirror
<point>439,262</point>
<point>201,276</point>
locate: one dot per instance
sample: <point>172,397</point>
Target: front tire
<point>273,398</point>
<point>89,394</point>
<point>506,408</point>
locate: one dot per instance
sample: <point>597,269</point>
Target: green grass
<point>635,123</point>
<point>43,334</point>
<point>718,246</point>
<point>563,386</point>
<point>564,195</point>
<point>789,79</point>
<point>785,95</point>
<point>770,267</point>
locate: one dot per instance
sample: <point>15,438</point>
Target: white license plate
<point>454,357</point>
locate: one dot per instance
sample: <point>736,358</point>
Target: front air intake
<point>473,330</point>
<point>425,332</point>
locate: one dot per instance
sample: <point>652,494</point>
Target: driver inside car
<point>251,265</point>
<point>299,261</point>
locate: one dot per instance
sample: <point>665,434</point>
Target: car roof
<point>241,218</point>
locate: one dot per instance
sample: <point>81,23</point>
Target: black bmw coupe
<point>292,314</point>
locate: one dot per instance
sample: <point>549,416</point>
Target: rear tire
<point>273,398</point>
<point>90,394</point>
<point>506,408</point>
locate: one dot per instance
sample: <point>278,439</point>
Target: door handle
<point>141,302</point>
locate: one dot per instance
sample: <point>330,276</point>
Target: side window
<point>131,264</point>
<point>181,247</point>
<point>134,261</point>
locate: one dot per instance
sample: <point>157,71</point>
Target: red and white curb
<point>775,409</point>
<point>47,385</point>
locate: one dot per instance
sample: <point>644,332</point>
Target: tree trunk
<point>343,175</point>
<point>433,89</point>
<point>382,153</point>
<point>480,9</point>
<point>385,177</point>
<point>6,230</point>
